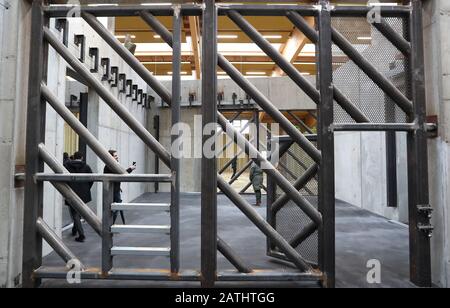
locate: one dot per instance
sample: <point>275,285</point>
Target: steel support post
<point>209,163</point>
<point>176,151</point>
<point>33,209</point>
<point>420,261</point>
<point>326,145</point>
<point>84,101</point>
<point>107,221</point>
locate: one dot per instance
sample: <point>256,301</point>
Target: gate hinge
<point>427,229</point>
<point>431,126</point>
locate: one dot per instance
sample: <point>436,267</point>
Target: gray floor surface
<point>360,237</point>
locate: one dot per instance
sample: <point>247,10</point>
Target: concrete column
<point>437,71</point>
<point>14,53</point>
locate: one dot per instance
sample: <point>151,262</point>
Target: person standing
<point>257,177</point>
<point>117,198</point>
<point>234,166</point>
<point>82,189</point>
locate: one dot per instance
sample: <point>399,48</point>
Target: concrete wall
<point>361,157</point>
<point>14,29</point>
<point>437,71</point>
<point>15,26</point>
<point>105,124</point>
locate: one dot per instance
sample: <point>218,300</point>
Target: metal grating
<point>290,220</point>
<point>357,86</point>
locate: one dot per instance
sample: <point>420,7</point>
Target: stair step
<point>140,206</point>
<point>140,251</point>
<point>140,229</point>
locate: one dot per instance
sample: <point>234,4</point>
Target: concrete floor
<point>360,236</point>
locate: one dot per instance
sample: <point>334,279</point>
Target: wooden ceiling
<point>291,42</point>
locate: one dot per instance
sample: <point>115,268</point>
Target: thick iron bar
<point>275,55</point>
<point>81,130</point>
<point>127,56</point>
<point>339,96</point>
<point>101,177</point>
<point>68,194</point>
<point>232,256</point>
<point>375,127</point>
<point>33,209</point>
<point>108,97</point>
<point>175,161</point>
<point>254,93</point>
<point>269,108</point>
<point>396,39</point>
<point>371,71</point>
<point>107,221</point>
<point>55,242</point>
<point>262,224</point>
<point>245,10</point>
<point>326,144</point>
<point>209,163</point>
<point>271,170</point>
<point>418,191</point>
<point>298,184</point>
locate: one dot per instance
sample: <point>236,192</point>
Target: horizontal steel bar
<point>406,127</point>
<point>140,206</point>
<point>140,251</point>
<point>119,274</point>
<point>245,10</point>
<point>139,229</point>
<point>267,275</point>
<point>100,177</point>
<point>182,276</point>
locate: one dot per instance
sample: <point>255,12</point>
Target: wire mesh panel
<point>290,219</point>
<point>384,56</point>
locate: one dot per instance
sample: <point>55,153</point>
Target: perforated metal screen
<point>356,85</point>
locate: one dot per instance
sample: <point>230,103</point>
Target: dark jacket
<point>117,189</point>
<point>82,189</point>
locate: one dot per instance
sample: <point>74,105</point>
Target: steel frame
<point>35,229</point>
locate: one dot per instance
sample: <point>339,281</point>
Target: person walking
<point>117,198</point>
<point>82,189</point>
<point>257,177</point>
<point>234,166</point>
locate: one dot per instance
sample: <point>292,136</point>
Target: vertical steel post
<point>420,261</point>
<point>326,145</point>
<point>175,155</point>
<point>84,101</point>
<point>107,220</point>
<point>32,240</point>
<point>209,164</point>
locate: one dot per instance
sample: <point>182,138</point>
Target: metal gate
<point>320,218</point>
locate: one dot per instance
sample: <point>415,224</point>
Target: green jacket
<point>256,177</point>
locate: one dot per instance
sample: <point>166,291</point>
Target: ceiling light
<point>365,38</point>
<point>227,36</point>
<point>162,62</point>
<point>182,73</point>
<point>124,36</point>
<point>156,36</point>
<point>305,74</point>
<point>256,73</point>
<point>273,36</point>
<point>304,63</point>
